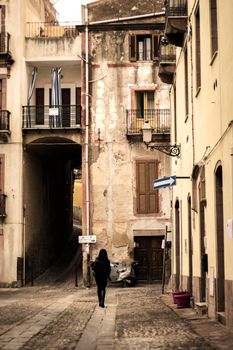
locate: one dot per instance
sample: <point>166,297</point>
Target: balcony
<point>2,206</point>
<point>5,54</point>
<point>159,120</point>
<point>50,30</point>
<point>46,117</point>
<point>176,21</point>
<point>4,125</point>
<point>167,62</point>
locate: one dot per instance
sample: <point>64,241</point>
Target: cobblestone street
<point>35,318</point>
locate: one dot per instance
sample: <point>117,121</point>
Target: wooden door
<point>149,254</point>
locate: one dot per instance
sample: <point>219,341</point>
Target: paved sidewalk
<point>214,332</point>
<point>136,318</point>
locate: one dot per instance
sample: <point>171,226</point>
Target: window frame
<point>198,49</point>
<point>213,28</point>
<point>134,39</point>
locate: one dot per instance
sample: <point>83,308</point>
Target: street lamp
<point>170,150</point>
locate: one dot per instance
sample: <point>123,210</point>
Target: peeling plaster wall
<point>112,156</point>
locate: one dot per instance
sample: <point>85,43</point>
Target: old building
<point>121,63</point>
<point>202,118</point>
<point>40,131</point>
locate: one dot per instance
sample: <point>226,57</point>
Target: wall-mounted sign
<point>87,239</point>
<point>53,111</point>
<point>164,182</point>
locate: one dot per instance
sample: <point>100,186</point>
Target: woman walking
<point>101,268</point>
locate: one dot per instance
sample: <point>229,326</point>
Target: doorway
<point>190,281</point>
<point>177,246</point>
<point>220,241</point>
<point>149,254</point>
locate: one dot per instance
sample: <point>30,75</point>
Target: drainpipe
<point>87,144</point>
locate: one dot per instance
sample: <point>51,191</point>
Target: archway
<point>49,164</point>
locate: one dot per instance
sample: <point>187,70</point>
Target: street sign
<point>87,239</point>
<point>164,182</point>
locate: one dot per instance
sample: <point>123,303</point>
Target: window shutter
<point>155,46</point>
<point>153,204</point>
<point>147,197</point>
<point>132,48</point>
<point>1,174</point>
<point>78,105</point>
<point>141,187</point>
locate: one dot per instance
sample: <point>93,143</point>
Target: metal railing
<point>51,29</point>
<point>56,117</point>
<point>4,42</point>
<point>159,120</point>
<point>2,205</point>
<point>4,120</point>
<point>167,53</point>
<point>176,7</point>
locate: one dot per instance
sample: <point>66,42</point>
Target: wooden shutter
<point>155,47</point>
<point>78,105</point>
<point>132,48</point>
<point>198,51</point>
<point>1,174</point>
<point>214,29</point>
<point>39,106</point>
<point>152,194</point>
<point>147,197</point>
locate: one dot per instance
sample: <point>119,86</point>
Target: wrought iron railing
<point>159,120</point>
<point>2,205</point>
<point>176,7</point>
<point>4,120</point>
<point>47,117</point>
<point>51,29</point>
<point>167,53</point>
<point>4,42</point>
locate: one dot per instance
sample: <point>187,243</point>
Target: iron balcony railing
<point>4,120</point>
<point>4,42</point>
<point>159,120</point>
<point>51,29</point>
<point>167,53</point>
<point>176,8</point>
<point>2,205</point>
<point>47,117</point>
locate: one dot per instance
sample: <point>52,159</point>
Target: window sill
<point>213,58</point>
<point>198,91</point>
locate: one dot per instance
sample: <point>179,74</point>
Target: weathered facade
<point>127,215</point>
<point>40,137</point>
<point>202,200</point>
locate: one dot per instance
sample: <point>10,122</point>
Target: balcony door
<point>39,106</point>
<point>65,107</point>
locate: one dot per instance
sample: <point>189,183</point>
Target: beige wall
<point>208,132</point>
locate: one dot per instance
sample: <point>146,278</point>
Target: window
<point>146,196</point>
<point>213,27</point>
<point>186,82</point>
<point>198,50</point>
<point>145,103</point>
<point>143,47</point>
<point>1,173</point>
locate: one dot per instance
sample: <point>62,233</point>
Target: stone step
<point>201,308</point>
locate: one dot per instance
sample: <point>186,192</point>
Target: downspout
<point>87,144</point>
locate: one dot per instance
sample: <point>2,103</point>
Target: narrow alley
<point>67,317</point>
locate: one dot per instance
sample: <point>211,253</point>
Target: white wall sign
<point>87,239</point>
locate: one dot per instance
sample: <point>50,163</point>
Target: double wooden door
<point>149,254</point>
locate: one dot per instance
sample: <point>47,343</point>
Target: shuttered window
<point>147,197</point>
<point>1,174</point>
<point>213,26</point>
<point>198,50</point>
<point>143,47</point>
<point>78,105</point>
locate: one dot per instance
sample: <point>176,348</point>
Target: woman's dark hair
<point>103,255</point>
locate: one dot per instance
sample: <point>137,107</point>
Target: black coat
<point>101,270</point>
